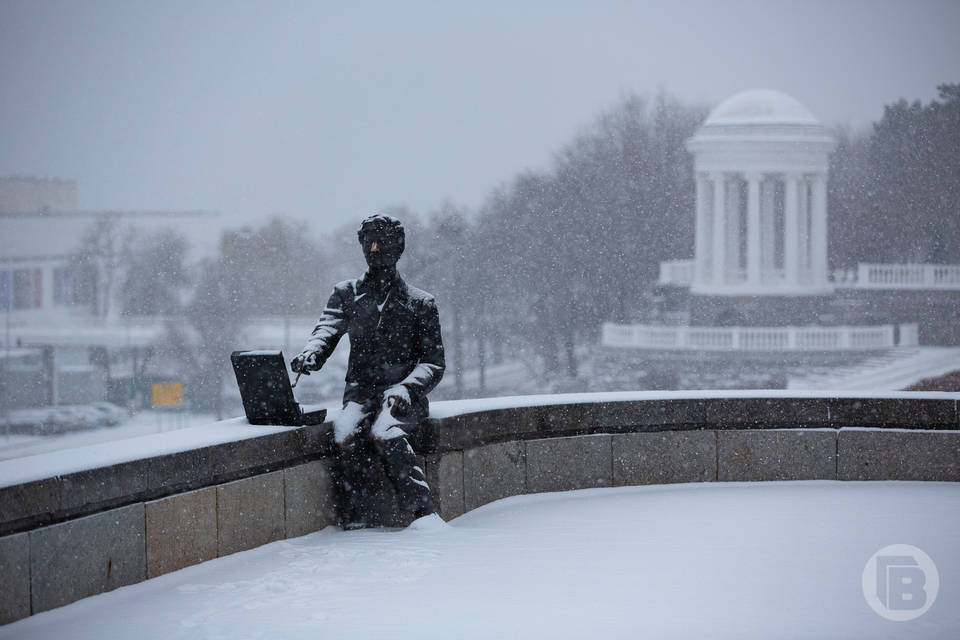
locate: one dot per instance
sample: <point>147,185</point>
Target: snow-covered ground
<point>751,560</point>
<point>895,369</point>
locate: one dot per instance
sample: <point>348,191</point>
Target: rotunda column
<point>804,220</point>
<point>719,228</point>
<point>791,228</point>
<point>818,229</point>
<point>768,228</point>
<point>735,253</point>
<point>753,228</point>
<point>701,250</point>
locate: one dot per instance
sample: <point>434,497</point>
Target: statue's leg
<point>352,471</point>
<point>353,481</point>
<point>401,465</point>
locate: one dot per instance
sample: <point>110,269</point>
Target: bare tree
<point>155,273</point>
<point>98,263</point>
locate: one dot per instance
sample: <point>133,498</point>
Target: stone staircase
<point>890,371</point>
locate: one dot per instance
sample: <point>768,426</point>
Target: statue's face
<point>381,247</point>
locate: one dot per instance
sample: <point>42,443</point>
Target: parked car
<point>32,421</point>
<point>85,416</point>
<point>115,415</point>
<point>43,420</point>
<point>65,418</point>
<point>69,419</point>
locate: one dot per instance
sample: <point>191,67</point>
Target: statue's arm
<point>428,372</point>
<point>326,334</point>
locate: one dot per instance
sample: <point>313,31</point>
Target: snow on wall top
<point>451,408</point>
<point>103,454</point>
<point>48,465</point>
<point>760,106</point>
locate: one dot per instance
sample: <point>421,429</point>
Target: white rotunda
<point>761,167</point>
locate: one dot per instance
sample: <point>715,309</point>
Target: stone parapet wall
<point>495,471</point>
<point>24,507</point>
<point>693,413</point>
<point>71,536</point>
<point>54,565</point>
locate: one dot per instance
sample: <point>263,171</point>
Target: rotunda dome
<point>760,106</point>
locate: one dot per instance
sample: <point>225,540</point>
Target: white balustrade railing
<point>759,338</point>
<point>900,276</point>
<point>946,275</point>
<point>866,276</point>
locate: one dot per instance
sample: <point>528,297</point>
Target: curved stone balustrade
<point>143,518</point>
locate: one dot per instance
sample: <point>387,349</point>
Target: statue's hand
<point>304,363</point>
<point>398,399</point>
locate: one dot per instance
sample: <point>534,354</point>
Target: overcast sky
<point>327,111</point>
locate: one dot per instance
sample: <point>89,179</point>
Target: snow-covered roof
<point>760,106</point>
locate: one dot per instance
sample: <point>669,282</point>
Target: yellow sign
<point>167,394</point>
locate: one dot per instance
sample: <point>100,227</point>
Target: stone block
<point>167,474</point>
<point>894,412</point>
<point>664,457</point>
<point>133,477</point>
<point>564,419</point>
<point>898,455</point>
<point>775,454</point>
<point>28,503</point>
<point>517,422</point>
<point>485,427</point>
<point>439,436</point>
<point>492,472</point>
<point>15,569</point>
<point>82,490</point>
<point>562,464</point>
<point>643,414</point>
<point>232,460</point>
<point>482,427</point>
<point>87,556</point>
<point>445,477</point>
<point>181,531</point>
<point>309,498</point>
<point>250,513</point>
<point>765,412</point>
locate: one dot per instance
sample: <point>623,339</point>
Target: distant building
<point>49,304</point>
<point>759,280</point>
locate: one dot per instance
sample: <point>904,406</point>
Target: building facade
<point>62,340</point>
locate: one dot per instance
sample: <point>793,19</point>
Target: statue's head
<point>382,238</point>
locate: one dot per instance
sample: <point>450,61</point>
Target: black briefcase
<point>266,391</point>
